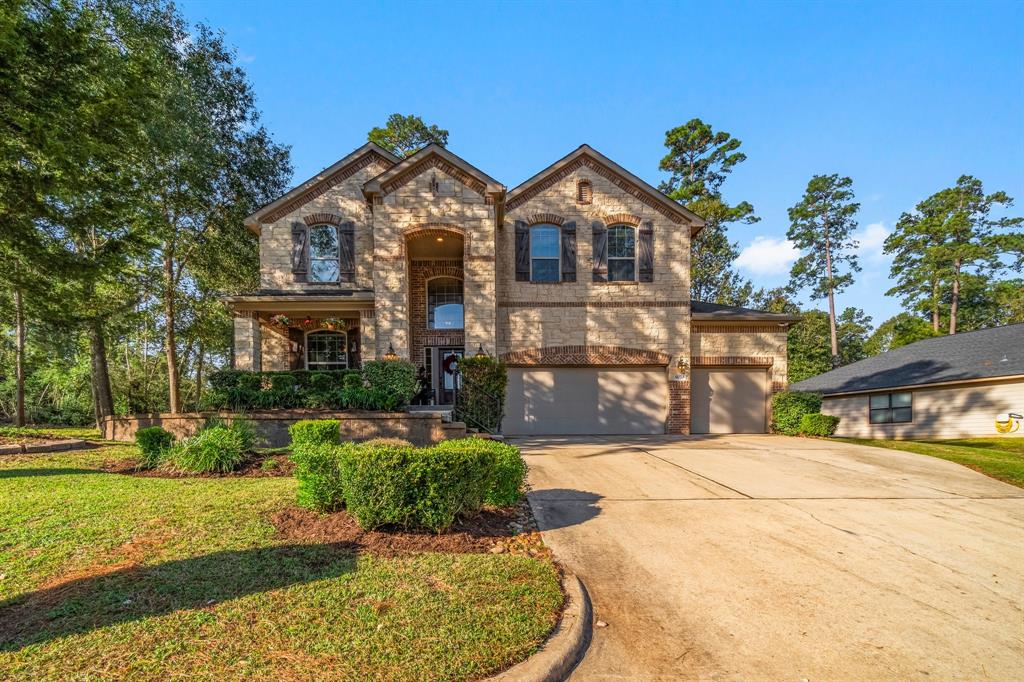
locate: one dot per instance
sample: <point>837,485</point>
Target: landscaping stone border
<point>566,644</point>
<point>46,446</point>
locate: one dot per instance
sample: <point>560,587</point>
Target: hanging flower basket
<point>282,321</point>
<point>334,324</point>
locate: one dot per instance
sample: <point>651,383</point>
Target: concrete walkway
<point>773,558</point>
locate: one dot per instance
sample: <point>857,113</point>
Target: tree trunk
<point>831,301</point>
<point>100,372</point>
<point>955,303</point>
<point>199,377</point>
<point>174,397</point>
<point>19,358</point>
<point>935,305</point>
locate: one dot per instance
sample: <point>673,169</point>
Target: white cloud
<point>871,239</point>
<point>768,256</point>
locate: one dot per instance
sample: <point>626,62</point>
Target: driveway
<point>773,558</point>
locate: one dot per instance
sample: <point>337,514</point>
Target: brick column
<point>678,421</point>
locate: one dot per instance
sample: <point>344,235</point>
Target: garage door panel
<point>585,400</point>
<point>728,401</point>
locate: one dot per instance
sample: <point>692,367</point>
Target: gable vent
<point>584,192</point>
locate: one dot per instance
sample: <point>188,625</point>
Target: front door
<point>441,364</point>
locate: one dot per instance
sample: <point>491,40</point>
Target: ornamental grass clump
<point>218,449</point>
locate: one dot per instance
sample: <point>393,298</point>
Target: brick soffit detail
<point>622,183</point>
<point>434,161</point>
<point>583,356</point>
<point>322,186</point>
<point>731,361</point>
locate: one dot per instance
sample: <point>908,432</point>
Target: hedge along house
<point>946,387</point>
<point>578,279</point>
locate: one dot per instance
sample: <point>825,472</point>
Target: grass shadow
<point>26,473</point>
<point>113,595</point>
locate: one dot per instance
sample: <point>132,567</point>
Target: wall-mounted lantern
<point>391,355</point>
<point>682,370</point>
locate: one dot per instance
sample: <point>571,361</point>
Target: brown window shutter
<point>347,252</point>
<point>600,255</point>
<point>645,258</point>
<point>300,251</point>
<point>522,251</point>
<point>296,349</point>
<point>569,251</point>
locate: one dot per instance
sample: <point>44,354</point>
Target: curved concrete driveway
<point>773,558</point>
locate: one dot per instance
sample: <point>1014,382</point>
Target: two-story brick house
<point>578,279</point>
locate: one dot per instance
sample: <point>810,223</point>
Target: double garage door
<point>629,400</point>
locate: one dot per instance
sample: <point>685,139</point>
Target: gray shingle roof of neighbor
<point>715,311</point>
<point>982,354</point>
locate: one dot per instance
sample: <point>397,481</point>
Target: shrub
<point>391,383</point>
<point>245,429</point>
<point>315,432</point>
<point>509,472</point>
<point>388,442</point>
<point>153,442</point>
<point>818,424</point>
<point>481,400</point>
<point>788,407</point>
<point>318,470</point>
<point>218,449</point>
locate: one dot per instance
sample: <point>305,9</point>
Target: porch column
<point>247,342</point>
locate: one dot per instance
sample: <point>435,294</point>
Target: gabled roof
<point>716,312</point>
<point>967,356</point>
<point>320,183</point>
<point>433,156</point>
<point>585,155</point>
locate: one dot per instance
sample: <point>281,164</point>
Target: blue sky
<point>902,97</point>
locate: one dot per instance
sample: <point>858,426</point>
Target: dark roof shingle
<point>982,354</point>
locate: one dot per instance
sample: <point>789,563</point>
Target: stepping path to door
<point>766,557</point>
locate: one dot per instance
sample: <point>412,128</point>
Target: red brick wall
<point>420,337</point>
<point>678,408</point>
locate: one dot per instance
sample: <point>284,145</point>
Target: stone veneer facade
<point>399,206</point>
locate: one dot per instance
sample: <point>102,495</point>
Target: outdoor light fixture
<point>440,239</point>
<point>480,352</point>
<point>682,369</point>
<point>391,355</point>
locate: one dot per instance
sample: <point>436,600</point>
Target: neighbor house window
<point>621,254</point>
<point>891,408</point>
<point>444,303</point>
<point>326,350</point>
<point>544,253</point>
<point>323,253</point>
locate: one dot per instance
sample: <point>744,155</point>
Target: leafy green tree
<point>405,135</point>
<point>699,160</point>
<point>898,331</point>
<point>809,351</point>
<point>821,227</point>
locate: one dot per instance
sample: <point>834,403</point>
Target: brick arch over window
<point>546,219</point>
<point>622,219</point>
<point>583,356</point>
<point>322,219</point>
<point>436,230</point>
<point>421,272</point>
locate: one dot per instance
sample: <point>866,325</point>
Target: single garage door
<point>585,400</point>
<point>729,400</point>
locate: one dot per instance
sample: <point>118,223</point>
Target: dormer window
<point>323,253</point>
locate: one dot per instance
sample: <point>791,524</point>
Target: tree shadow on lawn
<point>26,473</point>
<point>113,594</point>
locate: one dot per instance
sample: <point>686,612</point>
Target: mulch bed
<point>254,467</point>
<point>495,531</point>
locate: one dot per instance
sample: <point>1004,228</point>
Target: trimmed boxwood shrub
<point>818,424</point>
<point>154,442</point>
<point>218,449</point>
<point>788,407</point>
<point>481,400</point>
<point>315,432</point>
<point>509,474</point>
<point>318,470</point>
<point>381,385</point>
<point>391,383</point>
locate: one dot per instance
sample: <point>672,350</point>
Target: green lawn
<point>120,577</point>
<point>1001,458</point>
<point>82,432</point>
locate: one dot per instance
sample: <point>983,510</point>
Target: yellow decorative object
<point>1008,423</point>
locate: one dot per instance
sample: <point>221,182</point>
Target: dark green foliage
<point>245,429</point>
<point>818,424</point>
<point>481,400</point>
<point>391,383</point>
<point>509,475</point>
<point>315,432</point>
<point>318,470</point>
<point>154,442</point>
<point>405,135</point>
<point>809,351</point>
<point>241,391</point>
<point>218,449</point>
<point>898,331</point>
<point>788,407</point>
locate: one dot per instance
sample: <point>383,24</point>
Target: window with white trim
<point>323,253</point>
<point>444,303</point>
<point>621,253</point>
<point>545,253</point>
<point>326,351</point>
<point>891,408</point>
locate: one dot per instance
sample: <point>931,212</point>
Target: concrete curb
<point>39,448</point>
<point>566,644</point>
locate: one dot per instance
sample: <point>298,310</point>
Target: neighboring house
<point>945,387</point>
<point>578,279</point>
